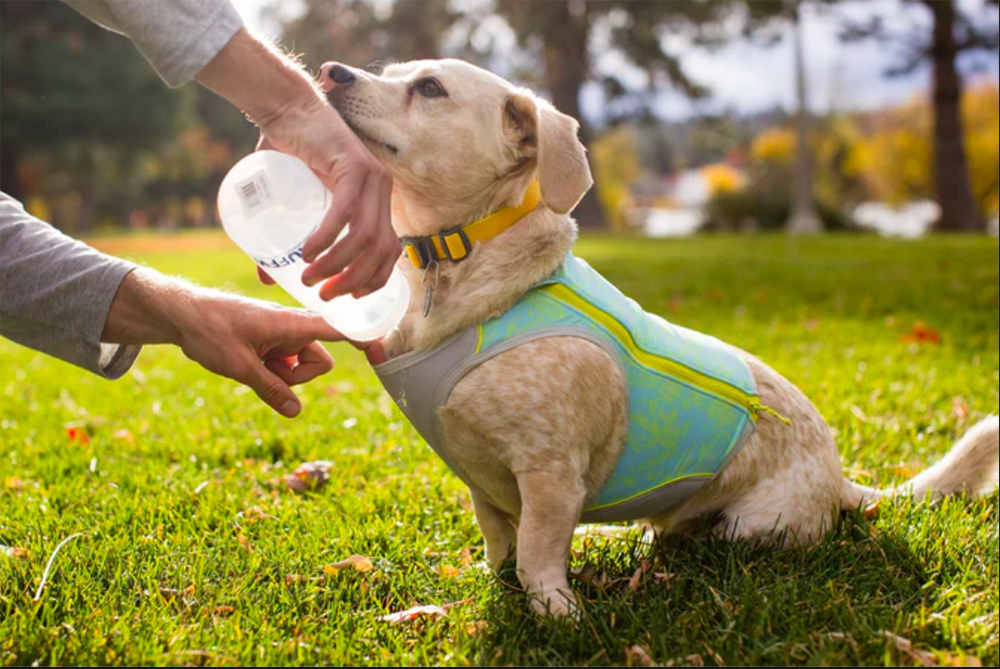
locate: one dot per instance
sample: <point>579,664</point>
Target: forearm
<point>144,310</point>
<point>259,80</point>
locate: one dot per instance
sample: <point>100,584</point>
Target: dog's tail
<point>971,468</point>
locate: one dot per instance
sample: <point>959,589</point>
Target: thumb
<point>273,391</point>
<point>305,326</point>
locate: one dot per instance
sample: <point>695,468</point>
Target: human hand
<point>362,261</point>
<point>263,346</point>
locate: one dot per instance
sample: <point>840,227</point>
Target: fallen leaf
<point>447,571</point>
<point>223,611</point>
<point>244,542</point>
<point>14,483</point>
<point>466,557</point>
<point>872,511</point>
<point>663,577</point>
<point>637,656</point>
<point>77,435</point>
<point>125,435</point>
<point>922,334</point>
<point>587,574</point>
<point>169,594</point>
<point>414,613</point>
<point>905,646</point>
<point>15,553</point>
<point>309,476</point>
<point>644,567</point>
<point>357,562</point>
<point>959,409</point>
<point>477,628</point>
<point>694,661</point>
<point>253,514</point>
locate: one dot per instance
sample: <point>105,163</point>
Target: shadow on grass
<point>706,601</point>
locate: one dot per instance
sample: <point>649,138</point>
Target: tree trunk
<point>804,219</point>
<point>566,68</point>
<point>959,212</point>
<point>10,183</point>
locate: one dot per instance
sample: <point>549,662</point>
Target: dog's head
<point>450,131</point>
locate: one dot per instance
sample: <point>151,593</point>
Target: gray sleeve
<point>56,292</point>
<point>178,37</point>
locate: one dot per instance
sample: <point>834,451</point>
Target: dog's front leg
<point>497,528</point>
<point>551,505</point>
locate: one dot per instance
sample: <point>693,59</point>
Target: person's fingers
<point>359,242</point>
<point>271,389</point>
<point>346,199</point>
<point>381,276</point>
<point>292,329</point>
<point>311,362</point>
<point>374,352</point>
<point>353,280</point>
<point>264,277</point>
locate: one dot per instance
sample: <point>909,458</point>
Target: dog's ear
<point>537,131</point>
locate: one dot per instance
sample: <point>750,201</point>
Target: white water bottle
<point>270,204</point>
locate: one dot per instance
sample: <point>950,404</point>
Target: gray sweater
<point>55,292</point>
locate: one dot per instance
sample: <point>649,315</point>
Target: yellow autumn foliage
<point>895,158</point>
<point>616,168</point>
<point>722,179</point>
<point>775,146</point>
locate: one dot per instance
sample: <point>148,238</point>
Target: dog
<point>537,430</point>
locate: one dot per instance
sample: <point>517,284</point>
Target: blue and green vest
<point>692,400</point>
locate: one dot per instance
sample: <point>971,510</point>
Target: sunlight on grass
<point>193,555</point>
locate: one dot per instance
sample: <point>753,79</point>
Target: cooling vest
<point>692,401</point>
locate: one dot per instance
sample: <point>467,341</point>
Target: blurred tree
<point>804,218</point>
<point>562,31</point>
<point>359,32</point>
<point>957,29</point>
<point>58,73</point>
<point>616,169</point>
<point>895,157</point>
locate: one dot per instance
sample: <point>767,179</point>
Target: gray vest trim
<point>421,383</point>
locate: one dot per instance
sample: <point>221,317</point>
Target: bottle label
<point>286,259</point>
<point>255,193</point>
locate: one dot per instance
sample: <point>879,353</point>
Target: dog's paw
<point>559,604</point>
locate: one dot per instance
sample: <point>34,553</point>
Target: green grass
<point>161,504</point>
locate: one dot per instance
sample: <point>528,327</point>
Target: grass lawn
<point>191,556</point>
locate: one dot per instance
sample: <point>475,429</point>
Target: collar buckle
<point>449,242</point>
<point>423,251</point>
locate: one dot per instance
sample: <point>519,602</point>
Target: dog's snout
<point>335,74</point>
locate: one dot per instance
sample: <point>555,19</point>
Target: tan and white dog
<point>539,428</point>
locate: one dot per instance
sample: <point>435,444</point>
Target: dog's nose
<point>334,74</point>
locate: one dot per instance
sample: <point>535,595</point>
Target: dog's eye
<point>431,88</point>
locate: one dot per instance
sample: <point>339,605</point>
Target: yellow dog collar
<point>455,244</point>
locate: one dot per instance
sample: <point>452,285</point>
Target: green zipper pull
<point>756,407</point>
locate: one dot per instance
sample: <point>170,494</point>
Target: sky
<point>746,77</point>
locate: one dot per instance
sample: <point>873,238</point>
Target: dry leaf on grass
<point>477,628</point>
<point>418,612</point>
<point>414,613</point>
<point>309,476</point>
<point>637,656</point>
<point>15,553</point>
<point>644,568</point>
<point>223,611</point>
<point>14,483</point>
<point>358,563</point>
<point>922,334</point>
<point>905,646</point>
<point>447,571</point>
